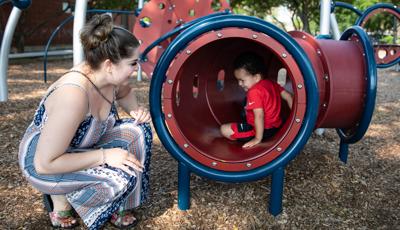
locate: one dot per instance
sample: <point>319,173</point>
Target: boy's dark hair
<point>251,62</point>
<point>102,40</point>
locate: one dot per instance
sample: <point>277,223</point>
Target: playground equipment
<point>18,6</point>
<point>385,55</point>
<point>193,92</point>
<point>159,17</point>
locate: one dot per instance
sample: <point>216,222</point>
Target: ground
<point>320,191</point>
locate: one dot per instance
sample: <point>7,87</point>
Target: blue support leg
<point>183,187</point>
<point>343,151</point>
<point>275,200</point>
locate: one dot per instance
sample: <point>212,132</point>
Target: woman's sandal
<point>59,218</point>
<point>120,219</point>
<point>63,219</point>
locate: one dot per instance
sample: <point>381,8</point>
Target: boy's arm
<point>258,127</point>
<point>287,97</point>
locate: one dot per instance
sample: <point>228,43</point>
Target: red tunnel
<point>200,93</point>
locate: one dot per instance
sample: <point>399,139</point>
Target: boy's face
<point>245,79</point>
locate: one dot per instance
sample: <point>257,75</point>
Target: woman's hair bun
<point>96,31</point>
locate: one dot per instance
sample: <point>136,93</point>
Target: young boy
<point>263,105</point>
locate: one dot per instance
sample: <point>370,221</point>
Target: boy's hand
<point>251,143</point>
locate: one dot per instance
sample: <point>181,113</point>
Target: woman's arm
<point>126,98</point>
<point>66,108</point>
<point>258,127</point>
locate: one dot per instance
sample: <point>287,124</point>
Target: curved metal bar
<point>371,76</point>
<point>22,4</point>
<point>62,24</point>
<point>177,30</point>
<point>346,6</point>
<point>242,22</point>
<point>5,50</point>
<point>364,16</point>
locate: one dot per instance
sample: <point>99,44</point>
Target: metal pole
<point>140,4</point>
<point>5,50</point>
<point>79,22</point>
<point>334,27</point>
<point>324,17</point>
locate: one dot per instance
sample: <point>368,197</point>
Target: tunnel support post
<point>343,151</point>
<point>275,200</point>
<point>183,187</point>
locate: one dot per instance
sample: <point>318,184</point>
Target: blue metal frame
<point>62,24</point>
<point>22,4</point>
<point>369,106</point>
<point>216,23</point>
<point>365,14</point>
<point>143,56</point>
<point>346,6</point>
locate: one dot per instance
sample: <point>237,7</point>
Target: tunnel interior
<point>205,94</point>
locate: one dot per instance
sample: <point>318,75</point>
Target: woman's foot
<point>63,219</point>
<point>123,219</point>
<point>60,211</point>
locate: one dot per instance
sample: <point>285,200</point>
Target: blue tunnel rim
<point>371,76</point>
<point>361,19</point>
<point>240,21</point>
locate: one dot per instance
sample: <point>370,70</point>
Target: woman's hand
<point>120,158</point>
<point>141,115</point>
<point>251,143</point>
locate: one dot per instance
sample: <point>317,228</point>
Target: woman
<point>77,149</point>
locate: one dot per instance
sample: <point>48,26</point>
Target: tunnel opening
<point>201,93</point>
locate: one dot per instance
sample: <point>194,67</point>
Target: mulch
<point>320,191</point>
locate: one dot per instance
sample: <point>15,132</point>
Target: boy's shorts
<point>245,132</point>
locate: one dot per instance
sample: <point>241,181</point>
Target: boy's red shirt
<point>265,94</point>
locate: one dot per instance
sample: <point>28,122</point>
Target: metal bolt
<point>299,86</point>
<point>324,105</point>
<point>255,36</point>
<point>214,163</point>
<point>279,149</point>
<point>188,52</point>
<point>284,55</point>
<point>303,37</point>
<point>219,35</point>
<point>248,165</point>
<point>185,145</point>
<point>319,52</point>
<point>170,81</point>
<point>363,54</point>
<point>169,115</point>
<point>297,120</point>
<point>326,77</point>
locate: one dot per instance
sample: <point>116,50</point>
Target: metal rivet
<point>255,36</point>
<point>363,54</point>
<point>170,81</point>
<point>185,145</point>
<point>303,37</point>
<point>297,120</point>
<point>219,35</point>
<point>299,86</point>
<point>319,52</point>
<point>214,163</point>
<point>169,115</point>
<point>284,55</point>
<point>188,52</point>
<point>326,77</point>
<point>324,105</point>
<point>248,165</point>
<point>151,74</point>
<point>279,149</point>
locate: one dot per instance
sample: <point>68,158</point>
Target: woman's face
<point>124,68</point>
